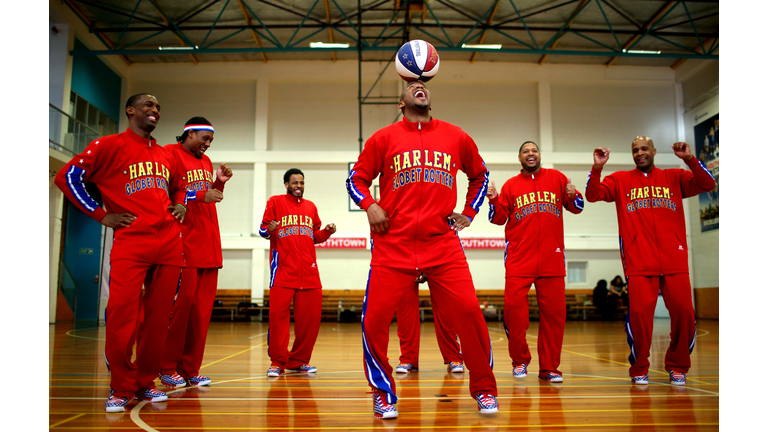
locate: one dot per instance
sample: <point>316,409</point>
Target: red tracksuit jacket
<point>650,212</point>
<point>133,175</point>
<point>417,163</point>
<point>202,239</point>
<point>531,205</point>
<point>292,245</point>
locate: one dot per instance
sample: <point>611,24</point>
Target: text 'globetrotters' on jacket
<point>133,176</point>
<point>417,163</point>
<point>292,257</point>
<point>531,206</point>
<point>650,212</point>
<point>202,238</point>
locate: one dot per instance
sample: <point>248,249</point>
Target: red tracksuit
<point>192,309</point>
<point>132,174</point>
<point>409,331</point>
<point>654,252</point>
<point>293,276</point>
<point>417,163</point>
<point>531,206</point>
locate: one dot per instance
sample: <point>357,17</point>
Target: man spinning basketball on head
<point>413,231</point>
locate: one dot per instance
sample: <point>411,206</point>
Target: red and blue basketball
<point>417,60</point>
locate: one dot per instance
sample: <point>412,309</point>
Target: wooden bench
<point>577,303</point>
<point>235,304</point>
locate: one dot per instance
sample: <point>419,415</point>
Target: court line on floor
<point>69,333</point>
<point>64,421</point>
<point>393,426</point>
<point>233,355</point>
<point>617,362</point>
<point>262,334</point>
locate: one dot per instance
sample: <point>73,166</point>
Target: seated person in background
<point>619,290</point>
<point>601,301</point>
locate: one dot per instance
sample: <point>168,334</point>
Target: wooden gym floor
<point>596,393</point>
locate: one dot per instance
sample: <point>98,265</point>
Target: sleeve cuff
<point>98,214</point>
<point>469,212</point>
<point>366,202</point>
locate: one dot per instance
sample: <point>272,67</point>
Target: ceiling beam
<point>568,24</point>
<point>698,49</point>
<point>253,32</point>
<point>482,36</point>
<point>175,31</point>
<point>103,38</point>
<point>330,29</point>
<point>646,27</point>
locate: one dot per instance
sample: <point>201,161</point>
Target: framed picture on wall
<point>707,135</point>
<point>374,190</point>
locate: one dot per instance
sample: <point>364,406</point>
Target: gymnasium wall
<point>274,116</point>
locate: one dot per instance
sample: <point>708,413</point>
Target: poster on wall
<point>707,137</point>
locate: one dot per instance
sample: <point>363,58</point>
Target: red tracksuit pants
<point>409,331</point>
<point>550,296</point>
<point>307,308</point>
<point>125,323</point>
<point>643,295</point>
<point>191,316</point>
<point>451,283</point>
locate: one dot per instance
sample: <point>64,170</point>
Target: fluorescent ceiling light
<point>328,45</point>
<point>177,48</point>
<point>641,52</point>
<point>481,46</point>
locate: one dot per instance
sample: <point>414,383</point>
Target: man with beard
<point>414,230</point>
<point>654,249</point>
<point>292,226</point>
<point>531,206</point>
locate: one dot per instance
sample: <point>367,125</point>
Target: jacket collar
<point>430,125</point>
<point>537,175</point>
<point>642,174</point>
<point>134,137</point>
<point>292,198</point>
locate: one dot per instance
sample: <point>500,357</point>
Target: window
<point>577,272</point>
<point>89,124</point>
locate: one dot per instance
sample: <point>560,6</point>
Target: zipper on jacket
<point>655,230</point>
<point>538,223</point>
<point>301,249</point>
<point>418,211</point>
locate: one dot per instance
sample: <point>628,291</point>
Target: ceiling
<point>608,32</point>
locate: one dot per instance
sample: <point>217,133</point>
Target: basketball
<point>417,60</point>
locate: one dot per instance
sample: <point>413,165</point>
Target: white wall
<point>705,245</point>
<point>275,116</point>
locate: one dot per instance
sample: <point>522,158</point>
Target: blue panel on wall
<point>82,256</point>
<point>96,83</point>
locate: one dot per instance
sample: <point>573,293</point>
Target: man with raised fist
<point>531,206</point>
<point>654,250</point>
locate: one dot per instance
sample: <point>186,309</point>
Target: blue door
<point>82,257</point>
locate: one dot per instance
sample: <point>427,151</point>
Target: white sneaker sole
<point>387,415</point>
<point>401,371</point>
<point>553,381</point>
<point>115,409</point>
<point>201,383</point>
<point>677,383</point>
<point>155,399</point>
<point>489,411</point>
